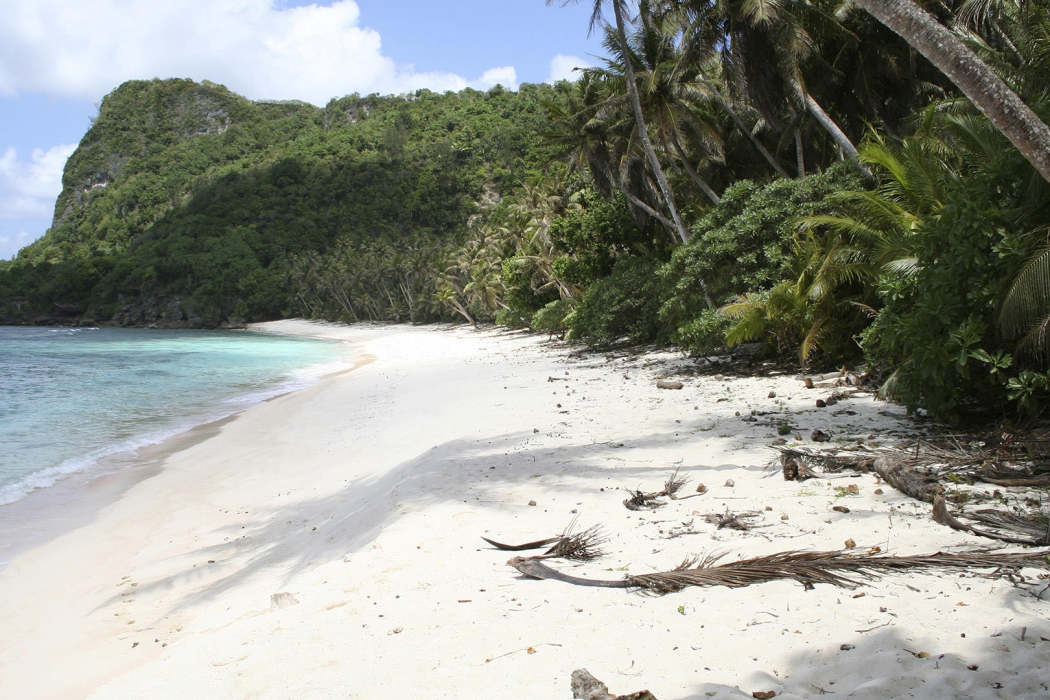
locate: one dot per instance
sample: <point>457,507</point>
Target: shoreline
<point>48,511</point>
<point>314,542</point>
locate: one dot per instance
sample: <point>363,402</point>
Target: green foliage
<point>745,243</point>
<point>705,333</point>
<point>201,197</point>
<point>940,318</point>
<point>555,317</point>
<point>624,304</point>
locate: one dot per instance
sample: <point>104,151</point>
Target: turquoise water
<point>85,399</point>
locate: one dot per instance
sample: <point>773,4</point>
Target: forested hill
<point>184,203</point>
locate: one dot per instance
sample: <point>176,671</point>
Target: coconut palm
<point>619,10</point>
<point>988,92</point>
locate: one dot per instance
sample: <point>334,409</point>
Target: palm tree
<point>970,74</point>
<point>667,92</point>
<point>619,9</point>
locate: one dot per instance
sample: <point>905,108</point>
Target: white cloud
<point>563,67</point>
<point>28,188</point>
<point>86,48</point>
<point>11,244</point>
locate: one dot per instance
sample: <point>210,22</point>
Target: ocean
<point>85,400</point>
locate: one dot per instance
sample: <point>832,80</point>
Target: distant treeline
<point>795,175</point>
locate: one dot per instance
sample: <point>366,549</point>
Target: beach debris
<point>821,403</point>
<point>850,544</point>
<point>585,545</point>
<point>808,568</point>
<point>1035,528</point>
<point>587,687</point>
<point>840,509</point>
<point>668,384</point>
<point>819,436</point>
<point>731,520</point>
<point>805,460</point>
<point>532,503</point>
<point>779,441</point>
<point>396,630</point>
<point>730,483</point>
<point>641,500</point>
<point>764,694</point>
<point>772,395</point>
<point>700,488</point>
<point>279,601</point>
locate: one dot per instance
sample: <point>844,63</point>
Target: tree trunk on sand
<point>970,74</point>
<point>639,120</point>
<point>907,481</point>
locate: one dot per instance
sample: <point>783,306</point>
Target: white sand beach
<point>327,544</point>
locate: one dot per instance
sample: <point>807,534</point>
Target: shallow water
<point>86,399</point>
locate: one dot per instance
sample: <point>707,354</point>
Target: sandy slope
<point>361,501</point>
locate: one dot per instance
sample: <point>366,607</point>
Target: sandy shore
<point>326,544</point>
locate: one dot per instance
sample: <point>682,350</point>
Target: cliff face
<point>184,203</point>
<point>139,129</point>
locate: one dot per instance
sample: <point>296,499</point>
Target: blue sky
<point>58,58</point>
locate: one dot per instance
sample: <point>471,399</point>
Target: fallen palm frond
<point>640,500</point>
<point>581,546</point>
<point>1032,530</point>
<point>809,568</point>
<point>799,464</point>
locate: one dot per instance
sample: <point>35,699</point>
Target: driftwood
<point>668,384</point>
<point>1037,528</point>
<point>907,480</point>
<point>836,568</point>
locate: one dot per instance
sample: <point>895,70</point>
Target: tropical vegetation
<point>834,181</point>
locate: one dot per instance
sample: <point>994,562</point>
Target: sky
<point>58,58</point>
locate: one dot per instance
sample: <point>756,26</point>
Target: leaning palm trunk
<point>825,120</point>
<point>970,74</point>
<point>700,182</point>
<point>741,125</point>
<point>636,103</point>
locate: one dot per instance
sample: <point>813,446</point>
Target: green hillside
<point>184,202</point>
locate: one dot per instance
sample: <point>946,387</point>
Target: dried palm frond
<point>640,500</point>
<point>1035,526</point>
<point>836,568</point>
<point>674,484</point>
<point>581,546</point>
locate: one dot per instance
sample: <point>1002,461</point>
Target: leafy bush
<point>555,317</point>
<point>703,334</point>
<point>745,243</point>
<point>626,303</point>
